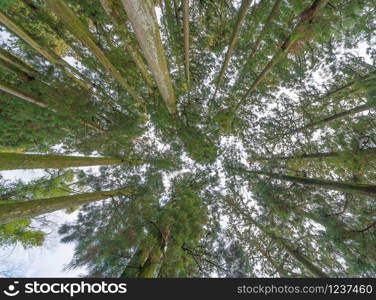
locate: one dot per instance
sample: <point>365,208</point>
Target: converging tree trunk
<point>334,117</point>
<point>28,98</point>
<point>47,54</point>
<point>284,243</point>
<point>298,33</point>
<point>370,152</point>
<point>138,60</point>
<point>144,22</point>
<point>28,209</point>
<point>15,161</point>
<point>366,189</point>
<point>67,16</point>
<point>186,39</point>
<point>240,20</point>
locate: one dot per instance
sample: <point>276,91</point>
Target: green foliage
<point>295,100</point>
<point>19,233</point>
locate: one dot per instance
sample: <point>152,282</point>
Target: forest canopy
<point>230,138</point>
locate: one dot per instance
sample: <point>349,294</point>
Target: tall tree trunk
<point>51,57</point>
<point>135,264</point>
<point>28,209</point>
<point>186,39</point>
<point>351,84</point>
<point>15,161</point>
<point>362,152</point>
<point>67,16</point>
<point>15,64</point>
<point>302,259</point>
<point>271,16</point>
<point>142,16</point>
<point>366,189</point>
<point>298,33</point>
<point>138,60</point>
<point>296,254</point>
<point>240,20</point>
<point>28,98</point>
<point>151,264</point>
<point>334,117</point>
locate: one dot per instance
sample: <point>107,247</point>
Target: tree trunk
<point>51,57</point>
<point>144,22</point>
<point>15,64</point>
<point>268,21</point>
<point>363,152</point>
<point>358,188</point>
<point>241,17</point>
<point>138,60</point>
<point>135,264</point>
<point>337,116</point>
<point>303,260</point>
<point>28,98</point>
<point>28,209</point>
<point>186,39</point>
<point>151,264</point>
<point>286,246</point>
<point>16,161</point>
<point>67,16</point>
<point>298,32</point>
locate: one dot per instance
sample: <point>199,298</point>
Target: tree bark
<point>298,32</point>
<point>296,254</point>
<point>268,21</point>
<point>186,39</point>
<point>28,98</point>
<point>15,64</point>
<point>144,22</point>
<point>16,161</point>
<point>67,16</point>
<point>51,57</point>
<point>319,155</point>
<point>337,116</point>
<point>358,188</point>
<point>138,60</point>
<point>241,17</point>
<point>28,209</point>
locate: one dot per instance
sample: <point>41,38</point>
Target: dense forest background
<point>232,138</point>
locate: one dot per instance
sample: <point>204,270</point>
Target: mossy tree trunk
<point>358,188</point>
<point>15,161</point>
<point>299,32</point>
<point>142,16</point>
<point>67,16</point>
<point>28,209</point>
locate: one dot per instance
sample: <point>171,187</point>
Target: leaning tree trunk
<point>16,161</point>
<point>28,98</point>
<point>113,15</point>
<point>240,20</point>
<point>144,22</point>
<point>269,19</point>
<point>48,55</point>
<point>68,17</point>
<point>186,39</point>
<point>370,152</point>
<point>358,188</point>
<point>334,117</point>
<point>296,254</point>
<point>15,64</point>
<point>28,209</point>
<point>299,32</point>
